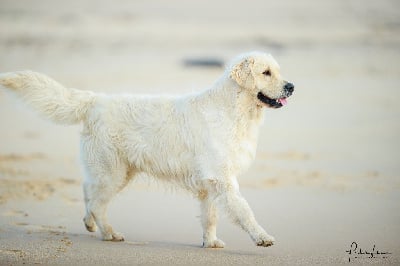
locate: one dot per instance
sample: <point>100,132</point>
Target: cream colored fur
<point>200,142</point>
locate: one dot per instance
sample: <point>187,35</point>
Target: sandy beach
<point>326,174</point>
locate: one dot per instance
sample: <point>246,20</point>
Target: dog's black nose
<point>289,87</point>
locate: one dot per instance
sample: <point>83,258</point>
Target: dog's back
<point>153,134</point>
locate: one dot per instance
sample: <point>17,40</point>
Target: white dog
<point>201,141</point>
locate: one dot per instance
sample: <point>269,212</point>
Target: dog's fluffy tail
<point>48,97</point>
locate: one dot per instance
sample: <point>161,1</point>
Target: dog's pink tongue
<point>282,101</point>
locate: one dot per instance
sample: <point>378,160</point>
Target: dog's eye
<point>267,73</point>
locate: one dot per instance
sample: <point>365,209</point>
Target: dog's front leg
<point>239,210</point>
<point>209,219</point>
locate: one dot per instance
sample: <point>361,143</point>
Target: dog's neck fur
<point>229,108</point>
<point>236,99</point>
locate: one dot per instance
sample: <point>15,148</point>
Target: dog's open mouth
<point>274,103</point>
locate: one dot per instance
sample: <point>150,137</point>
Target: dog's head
<point>258,74</point>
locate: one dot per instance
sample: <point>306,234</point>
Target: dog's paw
<point>265,241</point>
<point>90,225</point>
<point>216,243</point>
<point>114,237</point>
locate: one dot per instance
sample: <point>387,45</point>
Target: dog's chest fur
<point>232,135</point>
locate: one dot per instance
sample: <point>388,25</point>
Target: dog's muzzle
<point>288,90</point>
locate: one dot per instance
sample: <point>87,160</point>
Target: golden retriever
<point>200,141</point>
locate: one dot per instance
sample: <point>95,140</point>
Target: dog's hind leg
<point>106,175</point>
<point>91,190</point>
<point>98,194</point>
<point>88,220</point>
<point>98,197</point>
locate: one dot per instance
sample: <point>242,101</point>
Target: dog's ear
<point>242,73</point>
